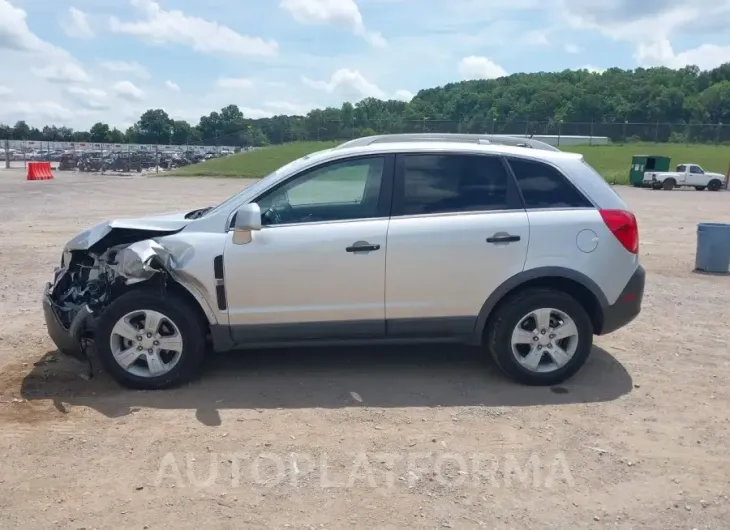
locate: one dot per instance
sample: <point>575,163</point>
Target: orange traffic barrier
<point>39,171</point>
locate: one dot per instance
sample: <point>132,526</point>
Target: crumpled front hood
<point>170,222</point>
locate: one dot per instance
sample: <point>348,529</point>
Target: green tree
<point>154,127</point>
<point>21,131</point>
<point>99,132</point>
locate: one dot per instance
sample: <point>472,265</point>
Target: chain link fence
<point>277,131</point>
<point>289,129</point>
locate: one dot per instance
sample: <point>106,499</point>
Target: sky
<point>77,62</point>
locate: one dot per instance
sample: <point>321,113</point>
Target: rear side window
<point>431,184</point>
<point>543,186</point>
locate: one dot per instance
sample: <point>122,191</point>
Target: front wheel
<point>149,342</point>
<point>714,185</point>
<point>540,336</point>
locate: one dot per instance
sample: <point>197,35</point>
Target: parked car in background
<point>526,252</point>
<point>685,175</point>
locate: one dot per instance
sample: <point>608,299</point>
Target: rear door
<point>457,232</point>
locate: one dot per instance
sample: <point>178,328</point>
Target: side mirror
<point>248,218</point>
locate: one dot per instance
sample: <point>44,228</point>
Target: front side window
<point>432,184</point>
<point>697,170</point>
<point>543,186</point>
<point>348,189</point>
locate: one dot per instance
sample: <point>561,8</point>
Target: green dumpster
<point>642,163</point>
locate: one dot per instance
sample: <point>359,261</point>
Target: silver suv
<point>522,249</point>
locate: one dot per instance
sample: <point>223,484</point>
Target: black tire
<point>700,188</point>
<point>714,185</point>
<point>178,310</point>
<point>668,184</point>
<point>508,315</point>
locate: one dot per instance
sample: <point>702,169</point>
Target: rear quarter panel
<point>554,242</point>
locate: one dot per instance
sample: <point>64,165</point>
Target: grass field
<point>612,161</point>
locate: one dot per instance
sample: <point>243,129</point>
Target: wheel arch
<point>572,282</point>
<point>182,291</point>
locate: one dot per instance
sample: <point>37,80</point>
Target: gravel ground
<point>385,438</point>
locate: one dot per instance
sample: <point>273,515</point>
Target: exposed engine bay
<point>89,279</point>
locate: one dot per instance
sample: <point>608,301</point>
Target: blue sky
<point>76,62</point>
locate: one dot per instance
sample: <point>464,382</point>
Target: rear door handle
<point>362,246</point>
<point>506,238</point>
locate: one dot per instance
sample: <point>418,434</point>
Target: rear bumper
<point>627,306</point>
<point>66,339</point>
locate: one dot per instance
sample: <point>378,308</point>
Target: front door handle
<point>362,246</point>
<point>503,238</point>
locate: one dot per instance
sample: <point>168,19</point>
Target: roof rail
<point>487,139</point>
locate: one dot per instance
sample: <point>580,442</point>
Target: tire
<point>509,315</point>
<point>714,185</point>
<point>700,188</point>
<point>668,184</point>
<point>177,316</point>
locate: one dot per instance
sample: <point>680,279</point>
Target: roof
<point>486,139</point>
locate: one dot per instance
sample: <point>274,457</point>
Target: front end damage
<point>96,268</point>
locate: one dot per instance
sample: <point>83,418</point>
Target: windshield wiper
<point>196,214</point>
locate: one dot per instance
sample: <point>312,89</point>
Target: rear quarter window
<point>543,186</point>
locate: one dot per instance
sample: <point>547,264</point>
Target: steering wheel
<point>278,214</point>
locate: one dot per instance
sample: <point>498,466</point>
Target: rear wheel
<point>540,336</point>
<point>714,185</point>
<point>668,184</point>
<point>148,342</point>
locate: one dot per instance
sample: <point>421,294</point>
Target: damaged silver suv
<point>517,247</point>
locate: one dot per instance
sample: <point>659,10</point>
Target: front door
<point>316,269</point>
<point>457,232</point>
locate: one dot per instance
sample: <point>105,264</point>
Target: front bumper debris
<point>67,340</point>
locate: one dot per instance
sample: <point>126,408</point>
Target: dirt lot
<point>381,438</point>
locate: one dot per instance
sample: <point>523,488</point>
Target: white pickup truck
<point>686,175</point>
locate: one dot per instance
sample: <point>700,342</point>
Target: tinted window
<point>696,169</point>
<point>452,183</point>
<point>342,190</point>
<point>544,187</point>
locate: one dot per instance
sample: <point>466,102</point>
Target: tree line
<point>519,103</point>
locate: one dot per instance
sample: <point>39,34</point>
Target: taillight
<point>623,226</point>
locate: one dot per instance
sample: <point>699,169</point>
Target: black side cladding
<point>220,287</point>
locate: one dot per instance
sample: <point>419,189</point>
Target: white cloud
<point>128,91</point>
<point>43,110</point>
<point>160,26</point>
<point>334,12</point>
<point>126,67</point>
<point>87,97</point>
<point>14,32</point>
<point>286,107</point>
<point>593,69</point>
<point>5,91</point>
<point>652,24</point>
<point>90,92</point>
<point>172,86</point>
<point>62,73</point>
<point>403,95</point>
<point>661,53</point>
<point>234,82</point>
<point>572,48</point>
<point>349,82</point>
<point>474,67</point>
<point>76,24</point>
